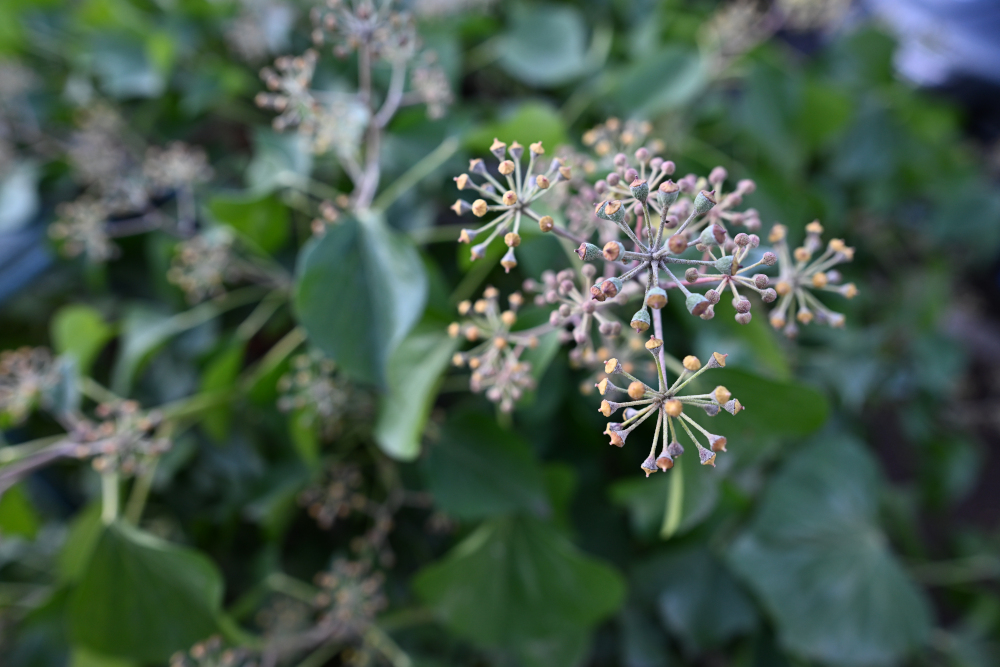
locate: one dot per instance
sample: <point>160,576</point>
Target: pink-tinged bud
<point>612,366</point>
<point>712,296</point>
<point>588,252</point>
<point>761,281</point>
<point>649,466</point>
<point>742,305</point>
<point>746,186</point>
<point>733,406</point>
<point>498,148</point>
<point>506,168</point>
<point>677,243</point>
<point>675,449</point>
<point>770,259</point>
<point>717,176</point>
<point>642,155</point>
<point>478,251</point>
<point>769,295</point>
<point>743,318</point>
<point>509,198</point>
<point>466,235</point>
<point>742,239</point>
<point>617,436</point>
<point>631,174</point>
<point>542,182</point>
<point>718,443</point>
<point>691,275</point>
<point>479,208</point>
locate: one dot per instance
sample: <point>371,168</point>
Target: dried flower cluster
<point>655,235</point>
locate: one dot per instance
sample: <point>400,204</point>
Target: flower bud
<point>461,181</point>
<point>849,290</point>
<point>677,243</point>
<point>608,407</point>
<point>725,265</point>
<point>783,287</point>
<point>711,409</point>
<point>602,386</point>
<point>717,442</point>
<point>704,202</point>
<point>611,210</point>
<point>542,181</point>
<point>656,297</point>
<point>746,186</point>
<point>509,198</point>
<point>512,239</point>
<point>640,321</point>
<point>691,363</point>
<point>611,287</point>
<point>461,207</point>
<point>778,233</point>
<point>537,148</point>
<point>649,466</point>
<point>733,406</point>
<point>706,456</point>
<point>717,360</point>
<point>508,317</point>
<point>761,281</point>
<point>664,461</point>
<point>708,314</point>
<point>691,274</point>
<point>675,449</point>
<point>712,296</point>
<point>506,167</point>
<point>617,436</point>
<point>466,235</point>
<point>596,293</point>
<point>769,295</point>
<point>479,208</point>
<point>588,252</point>
<point>516,150</point>
<point>613,250</point>
<point>742,239</point>
<point>612,366</point>
<point>742,305</point>
<point>718,175</point>
<point>508,261</point>
<point>640,189</point>
<point>653,344</point>
<point>498,148</point>
<point>696,303</point>
<point>464,306</point>
<point>819,280</point>
<point>636,390</point>
<point>478,251</point>
<point>642,154</point>
<point>545,223</point>
<point>673,407</point>
<point>631,174</point>
<point>667,193</point>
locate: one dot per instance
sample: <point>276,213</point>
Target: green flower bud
<point>656,297</point>
<point>640,321</point>
<point>588,252</point>
<point>696,303</point>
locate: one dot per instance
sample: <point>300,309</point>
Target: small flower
<point>511,200</point>
<point>336,497</point>
<point>350,599</point>
<point>321,397</point>
<point>669,405</point>
<point>81,227</point>
<point>124,440</point>
<point>179,165</point>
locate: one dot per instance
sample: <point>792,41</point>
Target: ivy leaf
<point>479,470</point>
<point>262,219</point>
<point>546,44</point>
<point>532,121</point>
<point>815,556</point>
<point>79,331</point>
<point>516,582</point>
<point>361,287</point>
<point>142,598</point>
<point>414,372</point>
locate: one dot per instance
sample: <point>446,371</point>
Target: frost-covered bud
<point>675,449</point>
<point>704,202</point>
<point>761,281</point>
<point>611,287</point>
<point>742,239</point>
<point>733,406</point>
<point>742,305</point>
<point>769,295</point>
<point>717,176</point>
<point>769,259</point>
<point>613,250</point>
<point>640,189</point>
<point>640,321</point>
<point>744,318</point>
<point>706,456</point>
<point>691,275</point>
<point>696,303</point>
<point>611,210</point>
<point>712,296</point>
<point>588,252</point>
<point>656,297</point>
<point>545,223</point>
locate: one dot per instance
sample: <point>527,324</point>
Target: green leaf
<point>515,581</point>
<point>698,599</point>
<point>546,45</point>
<point>815,556</point>
<point>531,122</point>
<point>302,430</point>
<point>143,598</point>
<point>219,375</point>
<point>80,332</point>
<point>17,515</point>
<point>361,287</point>
<point>415,370</point>
<point>262,219</point>
<point>647,499</point>
<point>278,158</point>
<point>479,470</point>
<point>679,73</point>
<point>81,657</point>
<point>84,531</point>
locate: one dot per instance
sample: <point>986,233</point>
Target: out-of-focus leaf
<point>84,532</point>
<point>698,599</point>
<point>360,289</point>
<point>772,407</point>
<point>479,470</point>
<point>532,121</point>
<point>815,556</point>
<point>679,75</point>
<point>825,111</point>
<point>646,499</point>
<point>414,373</point>
<point>124,67</point>
<point>80,332</point>
<point>143,598</point>
<point>278,158</point>
<point>17,516</point>
<point>264,220</point>
<point>546,45</point>
<point>642,644</point>
<point>302,430</point>
<point>516,582</point>
<point>81,657</point>
<point>218,376</point>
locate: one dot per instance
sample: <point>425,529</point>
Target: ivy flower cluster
<point>350,598</point>
<point>125,439</point>
<point>26,375</point>
<point>336,497</point>
<point>656,235</point>
<point>495,361</point>
<point>511,202</point>
<point>214,653</point>
<point>313,389</point>
<point>665,401</point>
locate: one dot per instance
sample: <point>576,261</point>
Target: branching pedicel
<point>651,228</point>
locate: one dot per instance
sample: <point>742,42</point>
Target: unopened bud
<point>636,390</point>
<point>509,261</point>
<point>611,210</point>
<point>696,303</point>
<point>819,280</point>
<point>509,198</point>
<point>769,295</point>
<point>717,442</point>
<point>653,344</point>
<point>537,148</point>
<point>761,281</point>
<point>545,223</point>
<point>640,321</point>
<point>479,208</point>
<point>704,202</point>
<point>706,456</point>
<point>640,189</point>
<point>612,366</point>
<point>691,363</point>
<point>613,250</point>
<point>742,239</point>
<point>656,297</point>
<point>649,466</point>
<point>498,148</point>
<point>516,150</point>
<point>542,181</point>
<point>691,274</point>
<point>733,406</point>
<point>673,407</point>
<point>588,252</point>
<point>461,181</point>
<point>717,360</point>
<point>667,193</point>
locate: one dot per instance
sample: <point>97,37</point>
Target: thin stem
<point>109,497</point>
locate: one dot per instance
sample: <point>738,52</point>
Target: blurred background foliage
<point>853,523</point>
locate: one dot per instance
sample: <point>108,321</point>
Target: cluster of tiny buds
<point>337,497</point>
<point>495,360</point>
<point>350,598</point>
<point>313,387</point>
<point>668,404</point>
<point>801,272</point>
<point>511,202</point>
<point>389,34</point>
<point>123,441</point>
<point>80,228</point>
<point>203,264</point>
<point>213,653</point>
<point>25,375</point>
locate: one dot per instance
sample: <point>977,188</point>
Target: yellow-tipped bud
<point>804,316</point>
<point>819,280</point>
<point>512,239</point>
<point>499,343</point>
<point>691,363</point>
<point>497,145</point>
<point>454,329</point>
<point>849,290</point>
<point>508,317</point>
<point>542,181</point>
<point>509,198</point>
<point>472,334</point>
<point>654,344</point>
<point>458,359</point>
<point>673,407</point>
<point>636,390</point>
<point>611,366</point>
<point>605,409</point>
<point>479,208</point>
<point>602,386</point>
<point>536,148</point>
<point>464,306</point>
<point>722,395</point>
<point>719,359</point>
<point>778,233</point>
<point>461,181</point>
<point>545,223</point>
<point>506,167</point>
<point>783,288</point>
<point>802,254</point>
<point>814,227</point>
